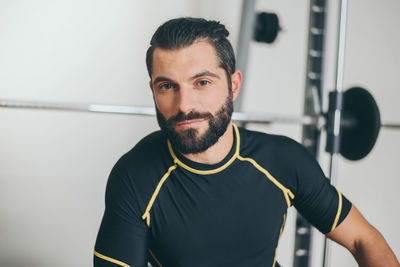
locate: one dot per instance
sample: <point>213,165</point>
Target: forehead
<point>201,55</point>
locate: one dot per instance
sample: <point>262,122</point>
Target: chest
<point>235,215</point>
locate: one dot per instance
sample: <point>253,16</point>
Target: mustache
<point>193,115</point>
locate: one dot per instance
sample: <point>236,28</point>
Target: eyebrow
<point>206,73</point>
<point>200,74</point>
<point>161,79</point>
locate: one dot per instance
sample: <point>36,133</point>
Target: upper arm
<point>353,230</point>
<point>366,244</point>
<point>120,243</point>
<point>123,237</point>
<point>316,199</point>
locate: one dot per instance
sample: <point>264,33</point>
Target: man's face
<point>193,102</point>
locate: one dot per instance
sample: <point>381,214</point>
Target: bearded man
<point>202,192</point>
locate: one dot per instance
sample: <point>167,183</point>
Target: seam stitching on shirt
<point>339,211</point>
<point>280,234</point>
<point>286,192</point>
<point>101,256</point>
<point>146,214</point>
<point>207,172</point>
<point>155,258</point>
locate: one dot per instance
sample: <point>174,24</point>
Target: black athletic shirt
<point>163,208</point>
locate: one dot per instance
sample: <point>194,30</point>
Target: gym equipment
<point>266,28</point>
<point>360,124</point>
<point>335,110</point>
<point>359,132</point>
<point>311,135</point>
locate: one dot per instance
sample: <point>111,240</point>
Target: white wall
<point>372,61</point>
<point>54,164</point>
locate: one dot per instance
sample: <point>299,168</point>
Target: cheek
<point>165,105</point>
<point>213,101</point>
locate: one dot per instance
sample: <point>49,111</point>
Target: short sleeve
<point>123,237</point>
<point>316,199</point>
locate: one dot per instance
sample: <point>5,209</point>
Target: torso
<point>188,214</point>
<point>228,214</point>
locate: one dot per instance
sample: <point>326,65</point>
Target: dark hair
<point>183,32</point>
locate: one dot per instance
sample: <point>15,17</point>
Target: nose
<point>186,99</point>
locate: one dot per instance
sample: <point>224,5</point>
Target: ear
<point>236,79</point>
<point>151,85</point>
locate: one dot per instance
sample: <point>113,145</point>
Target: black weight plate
<point>357,140</point>
<point>266,27</point>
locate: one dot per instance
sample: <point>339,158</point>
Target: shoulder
<point>141,168</point>
<point>265,145</point>
<point>146,153</point>
<point>284,158</point>
<point>147,147</point>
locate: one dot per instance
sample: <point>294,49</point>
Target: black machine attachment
<point>360,123</point>
<point>266,27</point>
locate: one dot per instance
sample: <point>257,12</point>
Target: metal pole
<point>338,109</point>
<point>311,134</point>
<point>245,37</point>
<point>266,118</point>
<point>390,125</point>
<point>150,111</point>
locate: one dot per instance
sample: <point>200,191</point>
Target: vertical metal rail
<point>312,107</point>
<point>334,140</point>
<point>245,37</point>
<point>339,88</point>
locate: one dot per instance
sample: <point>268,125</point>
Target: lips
<point>189,123</point>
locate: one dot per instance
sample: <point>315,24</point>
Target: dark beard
<point>189,141</point>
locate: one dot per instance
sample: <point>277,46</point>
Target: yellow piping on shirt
<point>146,214</point>
<point>120,263</point>
<point>206,172</point>
<point>155,258</point>
<point>286,192</point>
<point>280,234</point>
<point>339,211</point>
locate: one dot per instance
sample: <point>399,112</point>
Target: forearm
<point>374,251</point>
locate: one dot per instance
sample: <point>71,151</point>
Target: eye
<point>166,86</point>
<point>203,83</point>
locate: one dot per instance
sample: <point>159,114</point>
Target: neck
<point>217,152</point>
